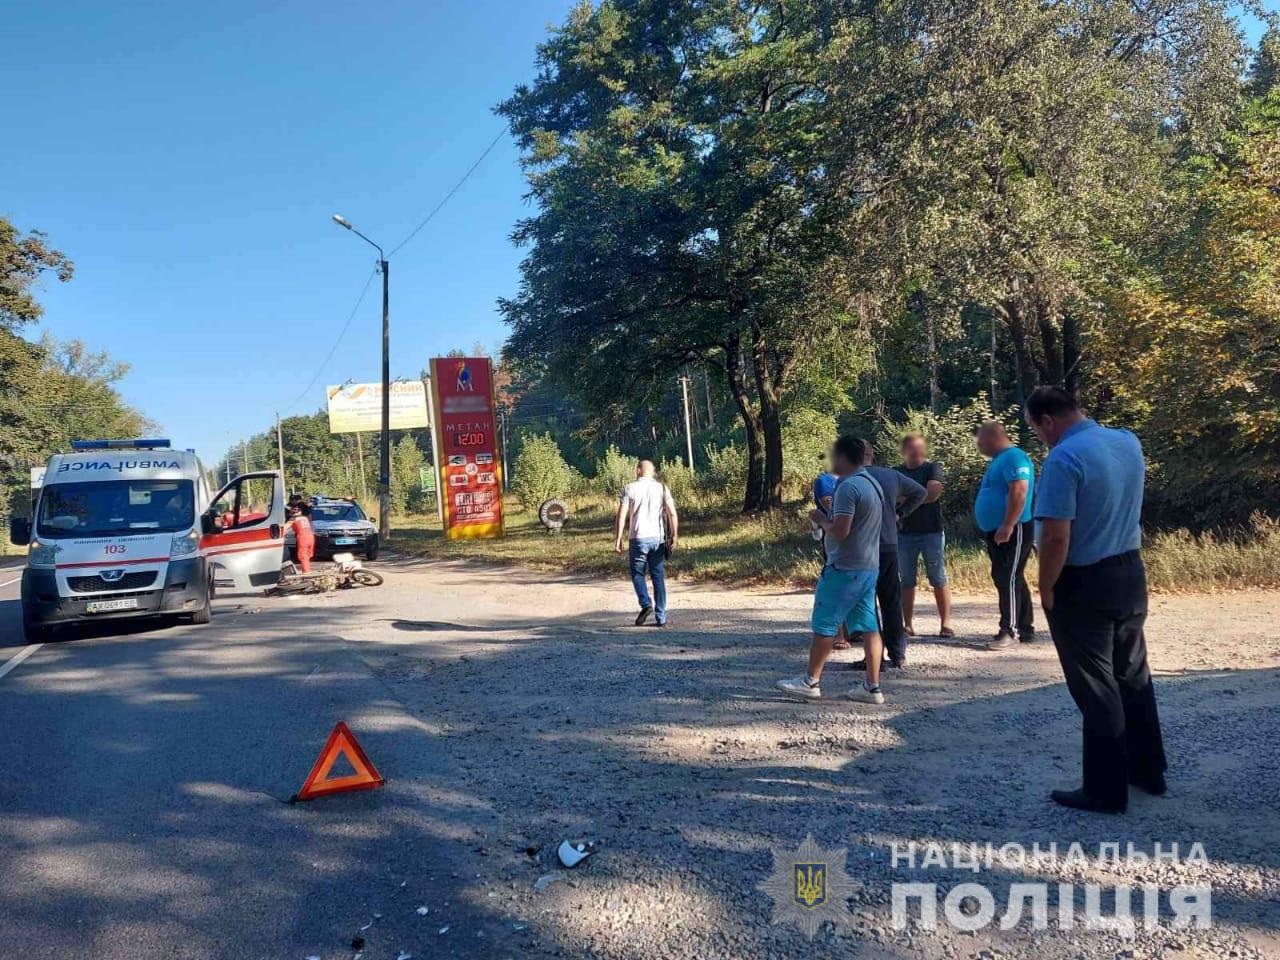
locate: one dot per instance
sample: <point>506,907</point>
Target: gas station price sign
<point>466,445</point>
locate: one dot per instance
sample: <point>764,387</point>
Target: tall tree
<point>1190,342</point>
<point>675,152</point>
<point>1018,138</point>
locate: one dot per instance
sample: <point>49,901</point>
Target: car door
<point>243,532</point>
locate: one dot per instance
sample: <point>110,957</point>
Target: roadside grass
<point>776,550</point>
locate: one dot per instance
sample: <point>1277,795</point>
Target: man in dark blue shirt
<point>1093,588</point>
<point>902,496</point>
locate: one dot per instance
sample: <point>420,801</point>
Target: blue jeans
<point>911,547</point>
<point>646,557</point>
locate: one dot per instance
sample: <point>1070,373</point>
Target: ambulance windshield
<point>115,507</point>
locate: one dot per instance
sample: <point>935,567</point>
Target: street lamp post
<point>384,459</point>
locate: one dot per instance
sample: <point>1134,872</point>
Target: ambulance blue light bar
<point>119,444</point>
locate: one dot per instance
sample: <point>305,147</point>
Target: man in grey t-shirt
<point>846,592</point>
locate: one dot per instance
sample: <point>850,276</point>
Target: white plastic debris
<point>572,854</point>
<point>546,880</point>
<point>422,911</point>
<point>402,955</point>
<point>444,930</point>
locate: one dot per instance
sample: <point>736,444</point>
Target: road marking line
<point>7,582</point>
<point>18,657</point>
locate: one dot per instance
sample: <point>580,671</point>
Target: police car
<point>131,528</point>
<point>340,526</point>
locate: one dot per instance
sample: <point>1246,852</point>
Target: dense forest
<point>842,215</point>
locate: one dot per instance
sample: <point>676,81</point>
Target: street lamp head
<point>341,221</point>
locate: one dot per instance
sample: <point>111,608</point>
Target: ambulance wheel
<point>205,613</point>
<point>37,632</point>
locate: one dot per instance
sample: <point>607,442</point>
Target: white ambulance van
<point>131,528</point>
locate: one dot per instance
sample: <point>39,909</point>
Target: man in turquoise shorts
<point>846,591</point>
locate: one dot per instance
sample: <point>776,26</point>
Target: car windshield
<point>115,507</point>
<point>329,512</point>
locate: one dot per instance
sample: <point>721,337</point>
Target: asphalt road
<point>145,788</point>
<point>144,814</point>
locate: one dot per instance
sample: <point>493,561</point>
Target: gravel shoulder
<point>556,719</point>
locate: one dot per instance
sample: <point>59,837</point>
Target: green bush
<point>724,470</point>
<point>950,436</point>
<point>406,478</point>
<point>541,472</point>
<point>675,474</point>
<point>613,472</point>
<point>806,435</point>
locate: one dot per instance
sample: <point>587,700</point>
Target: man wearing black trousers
<point>1093,588</point>
<point>1003,513</point>
<point>902,496</point>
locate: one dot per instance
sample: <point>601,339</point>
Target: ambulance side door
<point>242,532</point>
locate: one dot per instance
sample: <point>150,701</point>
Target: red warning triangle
<point>341,742</point>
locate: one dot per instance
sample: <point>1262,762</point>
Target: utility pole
<point>688,434</point>
<point>384,459</point>
<point>280,449</point>
<point>384,463</point>
<point>437,450</point>
<point>995,402</point>
<point>244,453</point>
<point>506,477</point>
<point>364,490</point>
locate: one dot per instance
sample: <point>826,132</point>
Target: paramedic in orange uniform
<point>302,535</point>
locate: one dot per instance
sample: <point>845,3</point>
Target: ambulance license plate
<point>344,541</point>
<point>106,606</point>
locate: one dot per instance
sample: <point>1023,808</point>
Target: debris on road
<point>546,880</point>
<point>572,854</point>
<point>444,930</point>
<point>422,911</point>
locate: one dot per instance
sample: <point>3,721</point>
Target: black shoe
<point>1154,785</point>
<point>1030,639</point>
<point>1079,800</point>
<point>886,662</point>
<point>660,626</point>
<point>643,615</point>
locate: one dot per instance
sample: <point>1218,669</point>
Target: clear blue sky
<point>188,158</point>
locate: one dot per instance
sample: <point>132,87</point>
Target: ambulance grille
<point>95,584</point>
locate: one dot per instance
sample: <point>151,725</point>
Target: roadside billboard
<point>357,407</point>
<point>466,440</point>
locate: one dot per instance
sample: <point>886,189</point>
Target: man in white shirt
<point>647,511</point>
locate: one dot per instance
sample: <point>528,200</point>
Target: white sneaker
<point>797,688</point>
<point>861,694</point>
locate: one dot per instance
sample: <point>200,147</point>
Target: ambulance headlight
<point>184,544</point>
<point>41,553</point>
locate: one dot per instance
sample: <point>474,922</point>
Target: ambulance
<point>133,528</point>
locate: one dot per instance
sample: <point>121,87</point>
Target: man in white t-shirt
<point>647,512</point>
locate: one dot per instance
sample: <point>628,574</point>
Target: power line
<point>449,196</point>
<point>334,349</point>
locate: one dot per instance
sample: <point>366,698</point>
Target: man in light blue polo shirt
<point>1093,588</point>
<point>1003,514</point>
